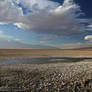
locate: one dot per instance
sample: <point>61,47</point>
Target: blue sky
<point>52,23</point>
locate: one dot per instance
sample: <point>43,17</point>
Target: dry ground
<point>52,77</point>
<point>57,77</point>
<point>6,54</point>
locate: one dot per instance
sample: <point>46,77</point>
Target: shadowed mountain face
<point>17,44</point>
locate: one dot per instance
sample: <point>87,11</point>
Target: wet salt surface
<point>43,60</point>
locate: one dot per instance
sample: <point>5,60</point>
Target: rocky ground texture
<point>53,77</point>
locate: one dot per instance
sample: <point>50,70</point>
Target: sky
<point>61,24</point>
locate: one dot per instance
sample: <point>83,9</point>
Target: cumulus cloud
<point>89,28</point>
<point>46,16</point>
<point>38,5</point>
<point>9,13</point>
<point>88,38</point>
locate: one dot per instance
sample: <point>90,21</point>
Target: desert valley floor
<point>27,70</point>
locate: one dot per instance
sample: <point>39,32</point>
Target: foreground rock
<point>57,77</point>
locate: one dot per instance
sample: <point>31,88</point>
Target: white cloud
<point>9,13</point>
<point>88,38</point>
<point>46,17</point>
<point>38,5</point>
<point>59,21</point>
<point>89,27</point>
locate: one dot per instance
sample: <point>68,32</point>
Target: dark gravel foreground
<point>55,77</point>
